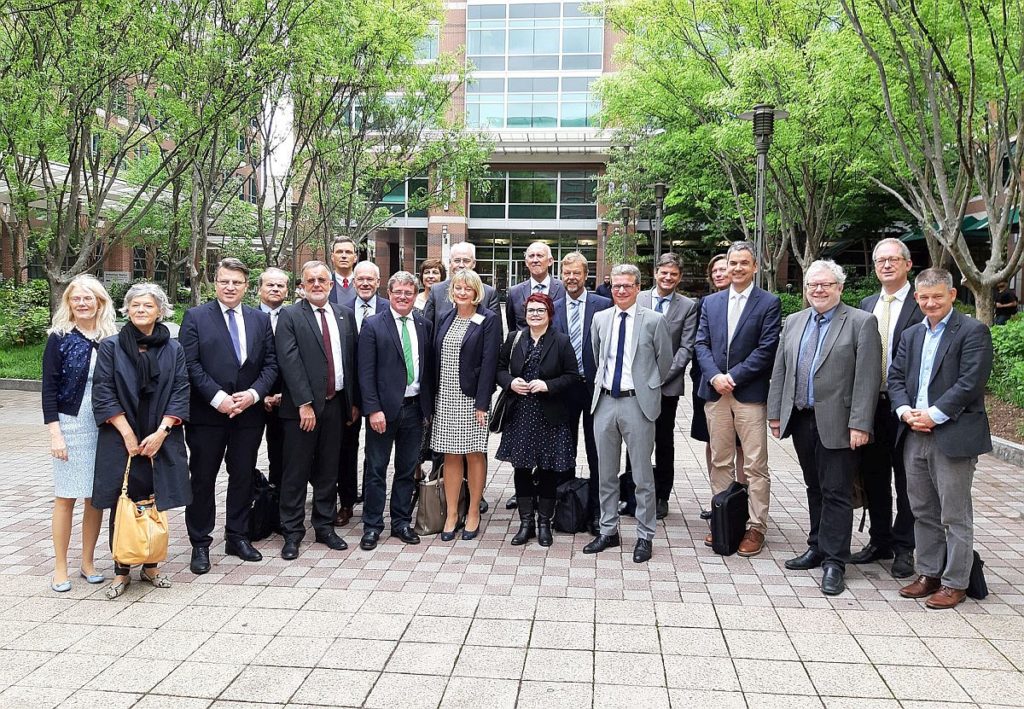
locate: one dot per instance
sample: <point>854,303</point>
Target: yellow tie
<point>883,330</point>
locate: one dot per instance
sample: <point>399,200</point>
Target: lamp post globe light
<point>763,117</point>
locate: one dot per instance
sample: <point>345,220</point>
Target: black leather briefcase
<point>728,519</point>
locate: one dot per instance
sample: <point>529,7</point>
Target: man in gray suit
<point>680,315</point>
<point>461,257</point>
<point>634,355</point>
<point>823,392</point>
<point>937,386</point>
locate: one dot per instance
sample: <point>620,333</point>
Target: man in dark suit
<point>823,392</point>
<point>605,289</point>
<point>538,261</point>
<point>736,343</point>
<point>343,257</point>
<point>895,309</point>
<point>462,256</point>
<point>574,314</point>
<point>231,366</point>
<point>316,343</point>
<point>365,304</point>
<point>395,384</point>
<point>680,315</point>
<point>273,294</point>
<point>937,387</point>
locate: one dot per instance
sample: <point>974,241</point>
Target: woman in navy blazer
<point>465,355</point>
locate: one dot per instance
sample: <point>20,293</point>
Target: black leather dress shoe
<point>832,583</point>
<point>870,553</point>
<point>406,535</point>
<point>810,559</point>
<point>512,503</point>
<point>369,540</point>
<point>903,564</point>
<point>243,549</point>
<point>200,563</point>
<point>627,508</point>
<point>290,550</point>
<point>661,509</point>
<point>642,551</point>
<point>484,506</point>
<point>332,540</point>
<point>602,542</point>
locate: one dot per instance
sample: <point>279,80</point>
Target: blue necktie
<point>620,351</point>
<point>661,303</point>
<point>804,363</point>
<point>233,331</point>
<point>576,333</point>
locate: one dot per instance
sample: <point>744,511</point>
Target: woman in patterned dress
<point>466,343</point>
<point>539,367</point>
<point>84,317</point>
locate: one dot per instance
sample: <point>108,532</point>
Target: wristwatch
<point>167,429</point>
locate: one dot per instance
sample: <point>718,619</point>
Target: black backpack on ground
<point>728,519</point>
<point>571,506</point>
<point>265,518</point>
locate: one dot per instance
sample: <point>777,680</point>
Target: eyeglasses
<point>823,286</point>
<point>888,260</point>
<point>315,281</point>
<point>227,282</point>
<point>403,293</point>
<point>459,261</point>
<point>536,311</point>
<point>623,286</point>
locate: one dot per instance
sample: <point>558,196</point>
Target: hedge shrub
<point>1007,380</point>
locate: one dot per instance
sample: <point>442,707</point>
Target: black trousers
<point>581,410</point>
<point>882,466</point>
<point>312,457</point>
<point>348,462</point>
<point>664,455</point>
<point>403,437</point>
<point>540,483</point>
<point>209,446</point>
<point>828,475</point>
<point>275,447</point>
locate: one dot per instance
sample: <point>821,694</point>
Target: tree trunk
<point>19,254</point>
<point>984,302</point>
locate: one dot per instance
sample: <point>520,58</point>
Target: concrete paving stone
<point>989,687</point>
<point>759,644</point>
<point>968,653</point>
<point>464,692</point>
<point>205,680</point>
<point>922,683</point>
<point>912,704</point>
<point>568,636</point>
<point>437,629</point>
<point>159,701</point>
<point>565,609</point>
<point>110,640</point>
<point>859,703</point>
<point>407,691</point>
<point>196,617</point>
<point>701,672</point>
<point>773,677</point>
<point>559,665</point>
<point>50,637</point>
<point>164,644</point>
<point>685,615</point>
<point>847,680</point>
<point>400,603</point>
<point>1012,650</point>
<point>1001,627</point>
<point>291,651</point>
<point>781,701</point>
<point>688,698</point>
<point>490,662</point>
<point>631,668</point>
<point>89,612</point>
<point>625,612</point>
<point>265,684</point>
<point>89,699</point>
<point>929,624</point>
<point>872,622</point>
<point>258,621</point>
<point>423,658</point>
<point>232,596</point>
<point>231,648</point>
<point>745,618</point>
<point>358,654</point>
<point>554,695</point>
<point>67,670</point>
<point>620,696</point>
<point>506,607</point>
<point>38,609</point>
<point>335,687</point>
<point>19,697</point>
<point>835,647</point>
<point>320,624</point>
<point>707,642</point>
<point>452,605</point>
<point>293,598</point>
<point>807,620</point>
<point>375,626</point>
<point>626,638</point>
<point>145,673</point>
<point>907,650</point>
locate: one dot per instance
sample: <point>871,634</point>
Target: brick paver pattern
<point>483,623</point>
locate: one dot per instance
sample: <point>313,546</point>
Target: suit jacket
<point>652,356</point>
<point>380,305</point>
<point>963,363</point>
<point>515,304</point>
<point>847,375</point>
<point>342,296</point>
<point>380,359</point>
<point>558,369</point>
<point>909,314</point>
<point>750,355</point>
<point>303,361</point>
<point>594,305</point>
<point>438,304</point>
<point>478,358</point>
<point>681,320</point>
<point>212,366</point>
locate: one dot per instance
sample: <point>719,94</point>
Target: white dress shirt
<point>240,322</point>
<point>895,307</point>
<point>414,388</point>
<point>274,313</point>
<point>546,283</point>
<point>335,334</point>
<point>737,302</point>
<point>364,309</point>
<point>613,344</point>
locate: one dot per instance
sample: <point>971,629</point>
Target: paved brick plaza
<point>486,624</point>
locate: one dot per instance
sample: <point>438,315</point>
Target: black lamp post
<point>763,117</point>
<point>294,205</point>
<point>659,207</point>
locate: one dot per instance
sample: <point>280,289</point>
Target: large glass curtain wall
<point>536,195</point>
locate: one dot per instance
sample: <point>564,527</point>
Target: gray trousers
<point>617,421</point>
<point>939,488</point>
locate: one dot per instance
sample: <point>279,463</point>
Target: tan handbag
<point>140,530</point>
<point>432,508</point>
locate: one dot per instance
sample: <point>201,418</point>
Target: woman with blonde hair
<point>84,317</point>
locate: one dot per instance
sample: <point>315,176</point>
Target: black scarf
<point>131,338</point>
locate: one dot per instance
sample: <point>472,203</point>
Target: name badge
<point>477,319</point>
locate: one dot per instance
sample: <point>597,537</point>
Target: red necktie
<point>326,333</point>
<point>344,283</point>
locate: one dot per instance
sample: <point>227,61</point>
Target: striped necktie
<point>576,332</point>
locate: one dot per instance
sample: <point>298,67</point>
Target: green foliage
<point>791,303</point>
<point>24,313</point>
<point>1007,380</point>
<point>22,362</point>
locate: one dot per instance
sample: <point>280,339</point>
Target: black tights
<point>539,484</point>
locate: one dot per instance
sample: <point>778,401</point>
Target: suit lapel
<point>834,328</point>
<point>641,316</point>
<point>249,316</point>
<point>311,317</point>
<point>392,327</point>
<point>588,320</point>
<point>948,333</point>
<point>221,326</point>
<point>747,309</point>
<point>903,320</point>
<point>914,364</point>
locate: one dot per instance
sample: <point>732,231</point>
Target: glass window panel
<point>487,211</point>
<point>520,41</point>
<point>532,63</point>
<point>574,115</point>
<point>571,9</point>
<point>485,86</point>
<point>546,41</point>
<point>578,211</point>
<point>579,84</point>
<point>545,115</point>
<point>534,10</point>
<point>576,40</point>
<point>488,63</point>
<point>487,42</point>
<point>577,191</point>
<point>578,61</point>
<point>520,115</point>
<point>531,211</point>
<point>481,12</point>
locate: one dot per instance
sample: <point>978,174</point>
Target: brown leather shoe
<point>708,541</point>
<point>752,543</point>
<point>342,517</point>
<point>923,586</point>
<point>946,597</point>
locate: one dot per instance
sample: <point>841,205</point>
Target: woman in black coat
<point>140,399</point>
<point>539,370</point>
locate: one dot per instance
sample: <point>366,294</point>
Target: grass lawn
<point>22,362</point>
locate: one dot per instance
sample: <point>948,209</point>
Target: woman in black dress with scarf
<point>538,367</point>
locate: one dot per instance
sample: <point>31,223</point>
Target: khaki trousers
<point>728,420</point>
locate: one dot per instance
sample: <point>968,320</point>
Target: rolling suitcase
<point>728,519</point>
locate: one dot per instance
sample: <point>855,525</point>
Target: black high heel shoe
<point>449,536</point>
<point>467,535</point>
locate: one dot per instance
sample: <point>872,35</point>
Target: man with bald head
<point>538,261</point>
<point>461,257</point>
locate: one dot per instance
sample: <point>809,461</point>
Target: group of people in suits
<point>891,391</point>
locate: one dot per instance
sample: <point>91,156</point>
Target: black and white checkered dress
<point>455,428</point>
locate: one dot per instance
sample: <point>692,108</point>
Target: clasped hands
<point>535,386</point>
<point>236,403</point>
<point>919,420</point>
